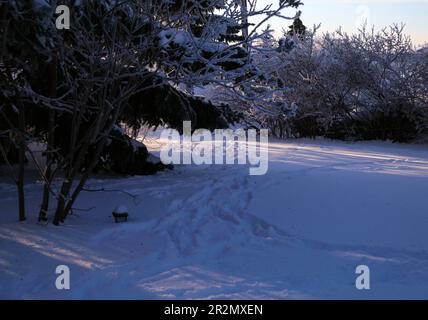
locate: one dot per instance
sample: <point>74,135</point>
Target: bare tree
<point>110,55</point>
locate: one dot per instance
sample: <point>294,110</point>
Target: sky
<point>349,14</point>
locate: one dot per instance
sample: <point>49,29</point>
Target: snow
<point>121,209</point>
<point>214,232</point>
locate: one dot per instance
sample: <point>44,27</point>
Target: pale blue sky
<point>349,13</point>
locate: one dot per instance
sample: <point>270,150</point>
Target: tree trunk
<point>59,213</point>
<point>21,172</point>
<point>244,12</point>
<point>75,164</point>
<point>84,178</point>
<point>44,207</point>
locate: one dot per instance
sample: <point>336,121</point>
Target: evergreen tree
<point>297,28</point>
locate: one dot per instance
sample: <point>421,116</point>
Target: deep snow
<point>215,232</point>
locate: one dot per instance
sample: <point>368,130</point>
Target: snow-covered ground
<point>211,232</point>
